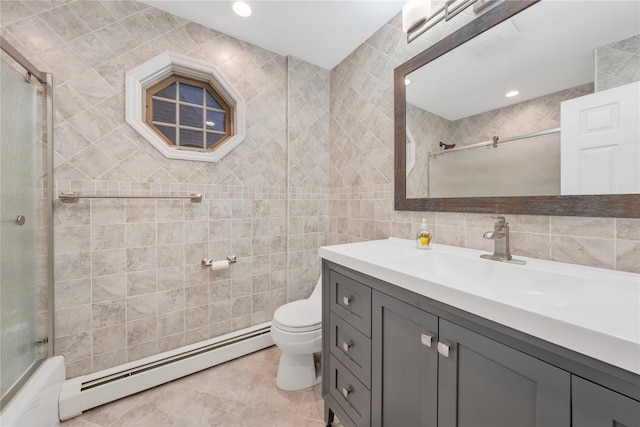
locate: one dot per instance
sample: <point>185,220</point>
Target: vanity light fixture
<point>407,81</point>
<point>511,93</point>
<point>414,14</point>
<point>241,8</point>
<point>417,17</point>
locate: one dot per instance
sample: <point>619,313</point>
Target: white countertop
<point>590,310</point>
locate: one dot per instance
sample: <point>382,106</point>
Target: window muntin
<point>188,114</point>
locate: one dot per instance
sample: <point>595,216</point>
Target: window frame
<point>150,73</point>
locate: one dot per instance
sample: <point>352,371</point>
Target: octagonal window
<point>185,108</point>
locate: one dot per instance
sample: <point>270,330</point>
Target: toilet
<point>296,329</point>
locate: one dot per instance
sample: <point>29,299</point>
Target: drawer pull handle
<point>346,300</point>
<point>346,345</point>
<point>426,339</point>
<point>346,392</point>
<point>443,349</point>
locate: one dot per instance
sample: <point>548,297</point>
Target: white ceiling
<point>319,32</point>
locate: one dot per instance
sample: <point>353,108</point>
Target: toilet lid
<point>299,316</point>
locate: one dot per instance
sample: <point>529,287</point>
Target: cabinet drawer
<point>351,347</point>
<point>351,300</point>
<point>594,405</point>
<point>351,394</point>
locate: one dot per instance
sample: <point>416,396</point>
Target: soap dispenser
<point>423,239</point>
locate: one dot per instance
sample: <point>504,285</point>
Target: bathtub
<point>36,404</point>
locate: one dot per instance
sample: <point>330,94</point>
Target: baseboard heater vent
<point>89,391</point>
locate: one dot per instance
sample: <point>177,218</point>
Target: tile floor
<point>241,392</point>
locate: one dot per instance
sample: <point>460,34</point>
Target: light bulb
<point>241,8</point>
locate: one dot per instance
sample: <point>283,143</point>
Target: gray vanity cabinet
<point>405,364</point>
<point>595,406</point>
<point>485,383</point>
<point>428,371</point>
<point>346,349</point>
<point>396,359</point>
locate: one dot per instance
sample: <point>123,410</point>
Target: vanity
<point>442,337</point>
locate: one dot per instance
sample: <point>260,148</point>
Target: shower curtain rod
<point>73,197</point>
<point>495,142</point>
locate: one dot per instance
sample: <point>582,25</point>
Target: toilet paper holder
<point>207,262</point>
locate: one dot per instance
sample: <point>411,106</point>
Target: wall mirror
<point>567,144</point>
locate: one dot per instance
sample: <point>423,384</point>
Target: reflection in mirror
<point>537,142</point>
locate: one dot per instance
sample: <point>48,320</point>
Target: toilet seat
<point>298,316</point>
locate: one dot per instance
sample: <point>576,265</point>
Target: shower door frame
<point>46,79</point>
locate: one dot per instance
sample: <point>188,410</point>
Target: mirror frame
<point>614,205</point>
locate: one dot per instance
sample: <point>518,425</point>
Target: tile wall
<point>427,130</point>
<point>128,280</point>
<point>618,63</point>
<point>361,172</point>
<point>308,177</point>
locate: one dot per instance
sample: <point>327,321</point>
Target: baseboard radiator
<point>89,391</point>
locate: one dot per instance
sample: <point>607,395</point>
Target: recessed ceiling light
<point>241,8</point>
<point>511,94</point>
<point>406,81</point>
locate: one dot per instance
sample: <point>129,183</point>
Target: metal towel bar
<point>73,197</point>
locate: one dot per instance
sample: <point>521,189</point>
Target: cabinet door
<point>404,366</point>
<point>595,406</point>
<point>485,383</point>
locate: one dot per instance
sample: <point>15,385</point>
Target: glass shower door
<point>22,227</point>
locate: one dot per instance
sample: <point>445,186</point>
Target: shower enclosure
<point>26,300</point>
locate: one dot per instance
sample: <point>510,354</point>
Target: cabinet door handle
<point>443,349</point>
<point>346,300</point>
<point>346,345</point>
<point>346,392</point>
<point>426,339</point>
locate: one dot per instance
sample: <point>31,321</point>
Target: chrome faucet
<point>500,236</point>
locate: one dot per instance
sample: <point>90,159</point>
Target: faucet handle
<point>500,219</point>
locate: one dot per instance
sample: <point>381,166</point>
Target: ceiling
<point>320,32</point>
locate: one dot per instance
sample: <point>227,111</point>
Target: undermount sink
<point>468,272</point>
